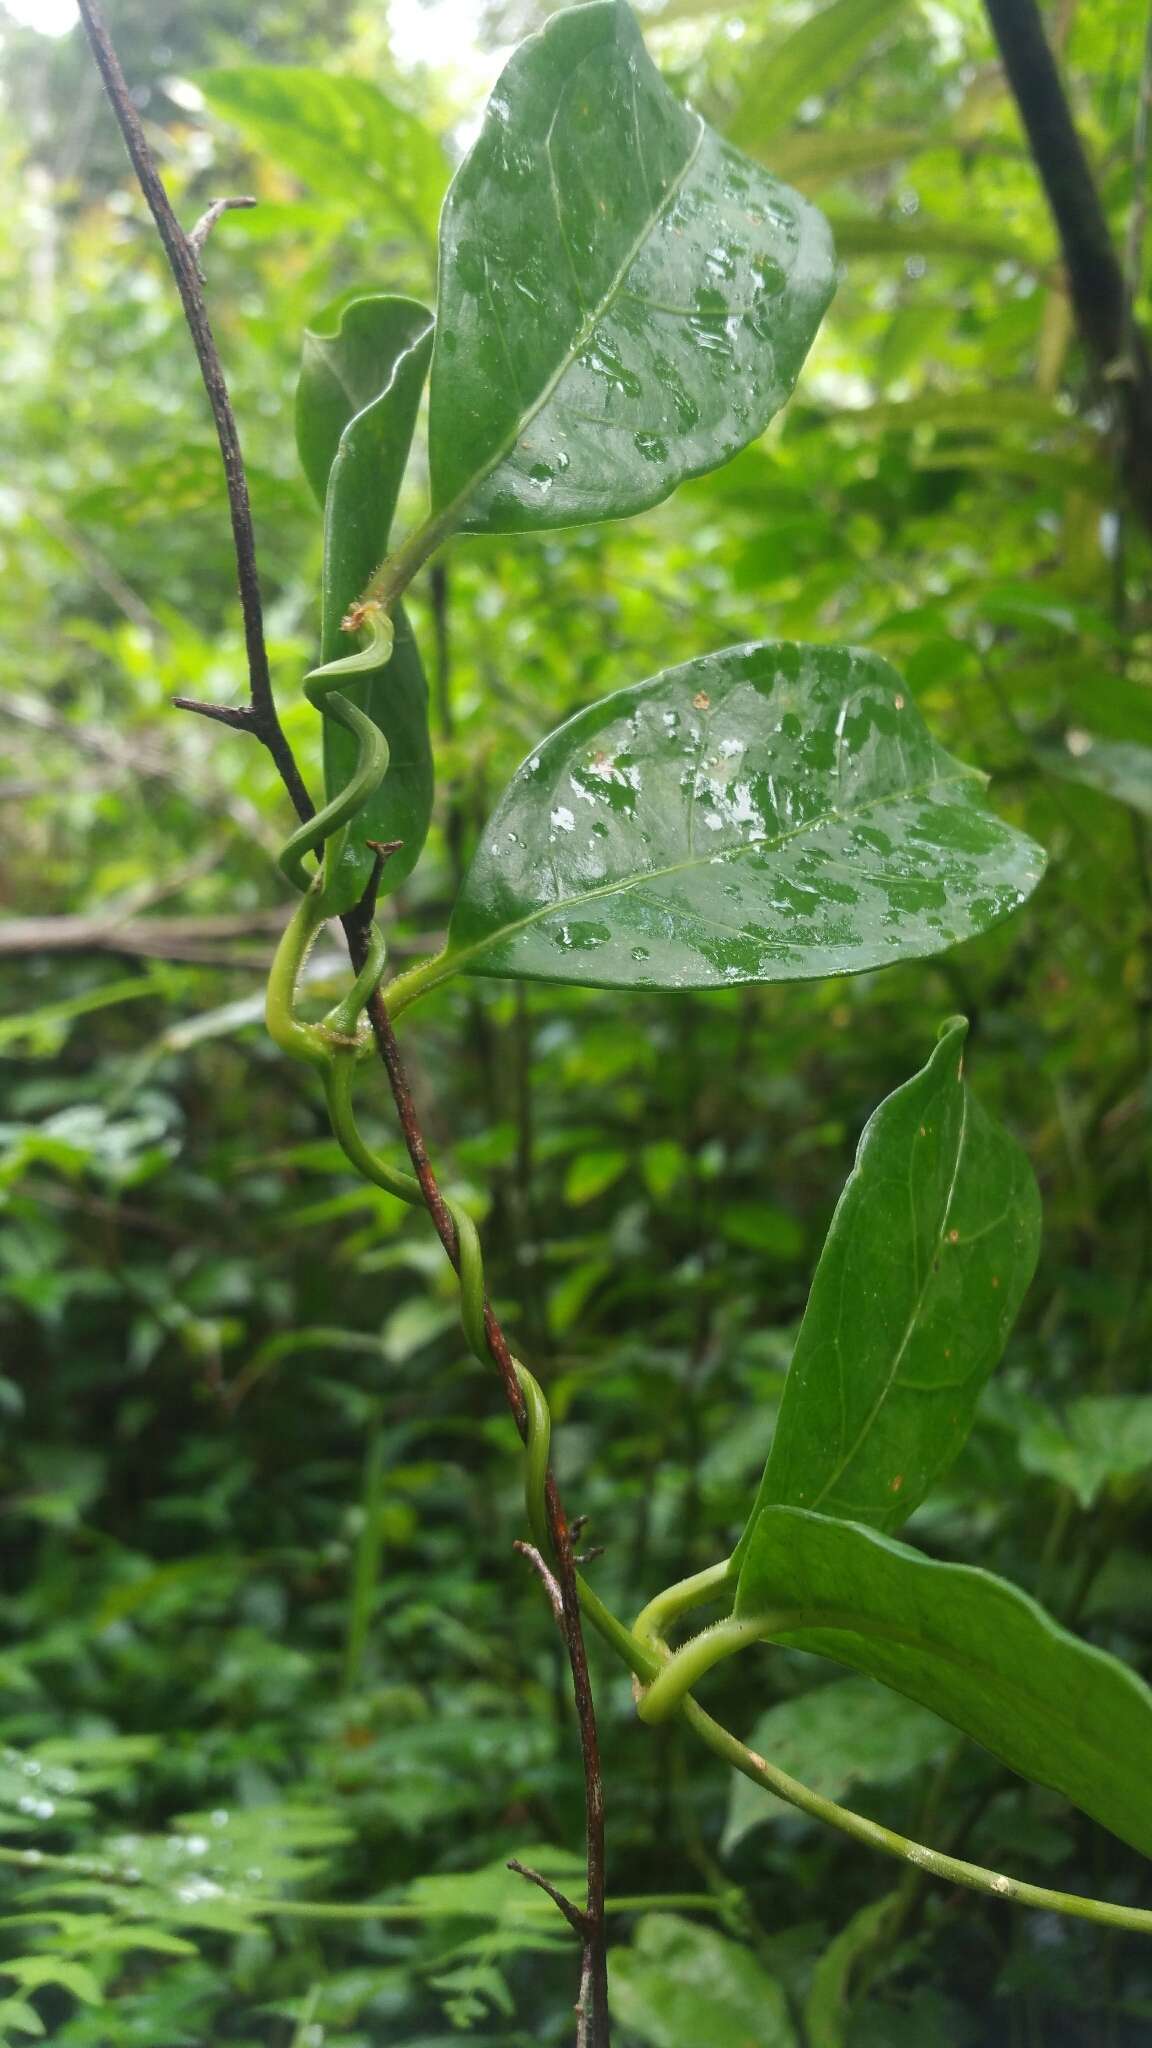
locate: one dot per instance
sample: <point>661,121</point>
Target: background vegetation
<point>258,1506</point>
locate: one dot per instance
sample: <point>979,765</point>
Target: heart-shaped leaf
<point>933,1243</point>
<point>968,1645</point>
<point>770,813</point>
<point>362,375</point>
<point>625,300</point>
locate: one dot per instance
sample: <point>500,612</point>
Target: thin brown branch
<point>262,720</point>
<point>547,1580</point>
<point>594,2002</point>
<point>262,717</point>
<point>235,715</point>
<point>198,235</point>
<point>572,1914</point>
<point>1096,281</point>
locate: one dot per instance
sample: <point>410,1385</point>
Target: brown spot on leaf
<point>894,1485</point>
<point>953,1237</point>
<point>702,701</point>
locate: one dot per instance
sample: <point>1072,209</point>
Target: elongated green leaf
<point>679,1986</point>
<point>963,412</point>
<point>770,813</point>
<point>974,1649</point>
<point>826,2006</point>
<point>933,1243</point>
<point>366,348</point>
<point>784,71</point>
<point>814,156</point>
<point>360,382</point>
<point>1117,768</point>
<point>351,145</point>
<point>955,240</point>
<point>624,300</point>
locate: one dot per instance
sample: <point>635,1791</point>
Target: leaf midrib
<point>459,958</point>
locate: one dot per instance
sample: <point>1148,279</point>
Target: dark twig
<point>198,235</point>
<point>572,1914</point>
<point>262,720</point>
<point>1096,280</point>
<point>236,715</point>
<point>261,715</point>
<point>546,1578</point>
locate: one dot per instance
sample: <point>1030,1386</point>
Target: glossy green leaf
<point>933,1242</point>
<point>367,348</point>
<point>849,1733</point>
<point>341,136</point>
<point>974,1649</point>
<point>679,1986</point>
<point>769,813</point>
<point>1117,768</point>
<point>779,74</point>
<point>1101,1440</point>
<point>624,299</point>
<point>361,379</point>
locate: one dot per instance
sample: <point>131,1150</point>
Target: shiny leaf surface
<point>624,299</point>
<point>932,1245</point>
<point>769,813</point>
<point>974,1649</point>
<point>361,378</point>
<point>361,351</point>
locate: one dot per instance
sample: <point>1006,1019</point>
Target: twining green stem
<point>662,1613</point>
<point>418,981</point>
<point>647,1664</point>
<point>666,1677</point>
<point>396,571</point>
<point>689,1664</point>
<point>951,1869</point>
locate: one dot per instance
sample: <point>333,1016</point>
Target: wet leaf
<point>360,384</point>
<point>624,299</point>
<point>770,813</point>
<point>974,1649</point>
<point>933,1242</point>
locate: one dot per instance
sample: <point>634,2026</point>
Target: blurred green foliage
<point>259,1592</point>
